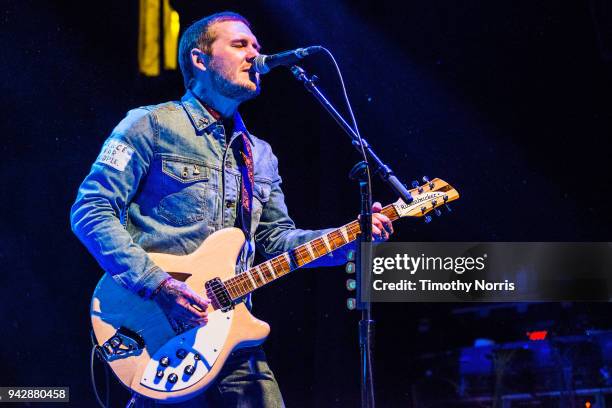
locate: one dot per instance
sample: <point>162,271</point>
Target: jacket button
<point>229,203</point>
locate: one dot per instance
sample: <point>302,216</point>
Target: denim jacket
<point>164,181</point>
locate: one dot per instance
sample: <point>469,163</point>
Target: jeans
<point>245,381</point>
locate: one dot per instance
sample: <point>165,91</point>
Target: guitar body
<point>135,335</point>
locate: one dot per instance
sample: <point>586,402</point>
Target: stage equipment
<point>561,371</point>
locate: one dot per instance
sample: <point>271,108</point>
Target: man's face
<point>234,46</point>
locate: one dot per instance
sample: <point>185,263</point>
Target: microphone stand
<point>364,254</point>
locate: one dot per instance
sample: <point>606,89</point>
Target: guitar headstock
<point>427,197</point>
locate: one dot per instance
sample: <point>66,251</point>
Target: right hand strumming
<point>182,306</point>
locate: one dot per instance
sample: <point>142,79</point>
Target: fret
<point>278,266</point>
<point>246,283</point>
<point>317,247</point>
<point>263,281</point>
<point>247,273</point>
<point>310,252</point>
<point>326,242</point>
<point>241,286</point>
<point>287,263</point>
<point>390,212</point>
<point>344,234</point>
<point>271,269</point>
<point>336,238</point>
<point>232,291</point>
<point>300,258</point>
<point>230,285</point>
<point>353,230</point>
<point>284,263</point>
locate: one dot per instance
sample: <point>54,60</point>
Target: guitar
<point>149,357</point>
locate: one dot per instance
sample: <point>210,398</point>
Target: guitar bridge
<point>124,343</point>
<point>218,295</point>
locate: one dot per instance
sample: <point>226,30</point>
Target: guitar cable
<point>96,350</point>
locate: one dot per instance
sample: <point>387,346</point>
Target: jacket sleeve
<point>100,211</point>
<point>276,232</point>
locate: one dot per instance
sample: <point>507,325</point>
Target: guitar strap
<point>246,185</point>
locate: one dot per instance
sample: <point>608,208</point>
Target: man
<point>171,174</point>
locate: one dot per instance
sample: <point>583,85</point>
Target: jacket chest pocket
<point>261,195</point>
<point>190,192</point>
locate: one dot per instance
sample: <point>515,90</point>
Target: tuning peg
<point>438,212</point>
<point>351,303</point>
<point>425,179</point>
<point>448,207</point>
<point>423,209</point>
<point>427,219</point>
<point>415,184</point>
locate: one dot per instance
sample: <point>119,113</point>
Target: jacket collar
<point>202,119</point>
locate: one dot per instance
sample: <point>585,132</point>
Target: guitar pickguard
<point>188,357</point>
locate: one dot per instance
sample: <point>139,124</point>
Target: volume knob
<point>172,378</point>
<point>164,361</point>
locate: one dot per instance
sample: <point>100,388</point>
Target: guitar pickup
<point>218,295</point>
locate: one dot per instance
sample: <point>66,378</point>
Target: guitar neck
<point>266,272</point>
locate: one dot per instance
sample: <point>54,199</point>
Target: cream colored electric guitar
<point>150,358</point>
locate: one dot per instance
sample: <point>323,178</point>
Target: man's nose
<point>252,54</point>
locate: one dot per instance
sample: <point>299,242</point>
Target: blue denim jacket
<point>165,180</point>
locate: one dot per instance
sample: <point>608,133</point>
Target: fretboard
<point>266,272</point>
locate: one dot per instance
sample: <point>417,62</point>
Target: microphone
<point>264,63</point>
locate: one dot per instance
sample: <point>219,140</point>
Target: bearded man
<point>171,174</point>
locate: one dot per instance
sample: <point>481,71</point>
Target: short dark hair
<point>199,35</point>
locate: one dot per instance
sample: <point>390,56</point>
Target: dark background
<point>509,101</point>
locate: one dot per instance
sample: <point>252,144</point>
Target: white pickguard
<point>207,341</point>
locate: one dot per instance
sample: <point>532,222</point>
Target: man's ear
<point>198,59</point>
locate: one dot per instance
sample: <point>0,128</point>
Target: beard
<point>225,82</point>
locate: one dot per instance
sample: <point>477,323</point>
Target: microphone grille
<point>259,64</point>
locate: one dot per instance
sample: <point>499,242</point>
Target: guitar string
<point>240,283</point>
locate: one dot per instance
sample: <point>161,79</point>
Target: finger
<point>388,225</point>
<point>197,302</point>
<point>376,207</point>
<point>201,315</point>
<point>377,221</point>
<point>385,222</point>
<point>187,311</point>
<point>376,232</point>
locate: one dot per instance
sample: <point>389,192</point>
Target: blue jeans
<point>245,381</point>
